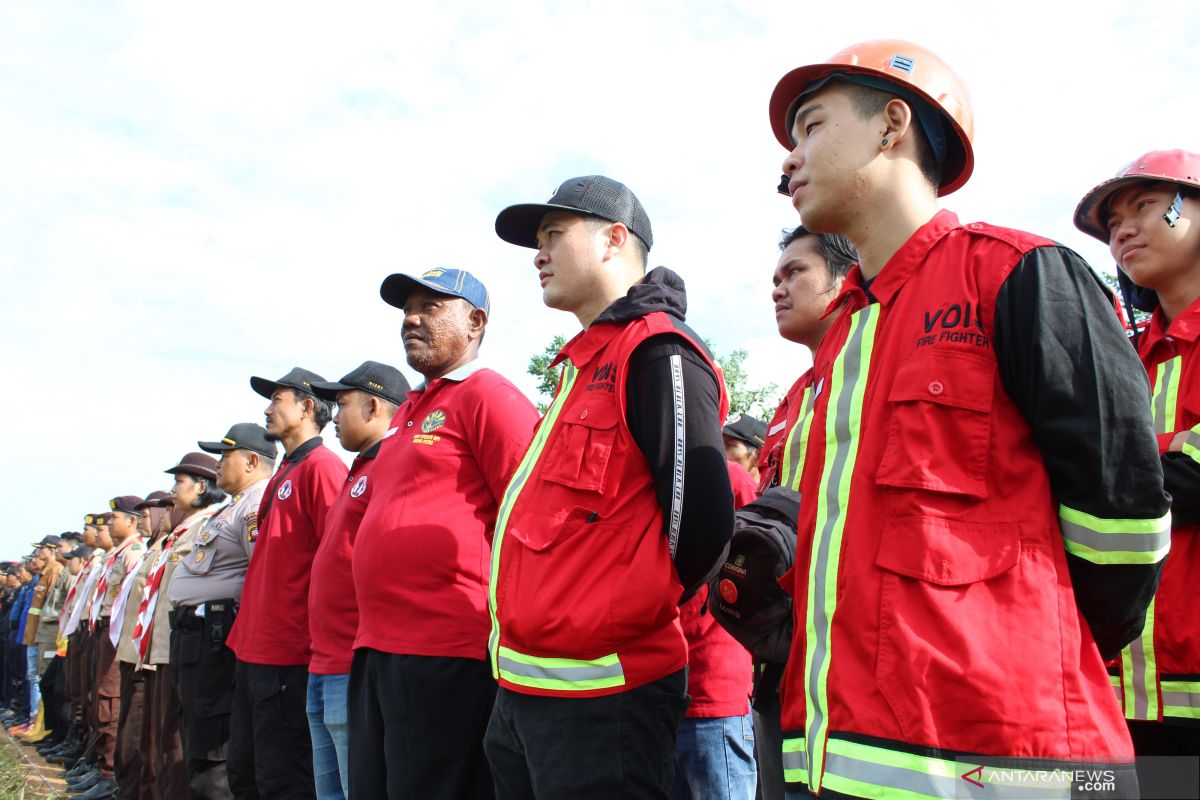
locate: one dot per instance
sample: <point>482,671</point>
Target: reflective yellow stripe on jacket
<point>843,419</point>
<point>520,477</point>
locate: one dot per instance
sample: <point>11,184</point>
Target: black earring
<point>884,142</point>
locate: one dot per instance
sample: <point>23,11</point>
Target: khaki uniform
<point>58,577</point>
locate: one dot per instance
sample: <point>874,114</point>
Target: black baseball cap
<point>297,378</point>
<point>745,427</point>
<point>244,436</point>
<point>83,551</point>
<point>48,541</point>
<point>371,377</point>
<point>590,195</point>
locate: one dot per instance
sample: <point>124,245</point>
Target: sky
<point>192,194</point>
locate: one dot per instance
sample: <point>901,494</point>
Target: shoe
<point>38,726</point>
<point>78,771</point>
<point>50,744</point>
<point>88,781</point>
<point>104,788</point>
<point>17,730</point>
<point>65,757</point>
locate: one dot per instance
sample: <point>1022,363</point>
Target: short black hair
<point>836,249</point>
<point>868,102</point>
<point>211,494</point>
<point>322,409</point>
<point>640,250</point>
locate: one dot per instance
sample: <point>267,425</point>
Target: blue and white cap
<point>455,282</point>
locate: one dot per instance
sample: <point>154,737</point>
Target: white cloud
<point>196,194</point>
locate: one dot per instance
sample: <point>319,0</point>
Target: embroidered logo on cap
<point>359,487</point>
<point>285,491</point>
<point>433,273</point>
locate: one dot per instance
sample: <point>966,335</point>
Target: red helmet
<point>1172,166</point>
<point>907,66</point>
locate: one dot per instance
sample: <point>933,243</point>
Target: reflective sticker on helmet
<point>902,63</point>
<point>1175,211</point>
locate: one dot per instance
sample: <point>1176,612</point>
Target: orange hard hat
<point>1172,166</point>
<point>912,70</point>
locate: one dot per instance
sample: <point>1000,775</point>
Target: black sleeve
<point>697,502</point>
<point>1181,475</point>
<point>1066,363</point>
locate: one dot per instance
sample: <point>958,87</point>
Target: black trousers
<point>18,684</point>
<point>270,749</point>
<point>54,696</point>
<point>620,745</point>
<point>204,675</point>
<point>417,725</point>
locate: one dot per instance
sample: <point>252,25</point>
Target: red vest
<point>935,616</point>
<point>584,594</point>
<point>1157,677</point>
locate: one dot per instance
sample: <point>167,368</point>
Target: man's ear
<point>477,321</point>
<point>898,121</point>
<point>618,238</point>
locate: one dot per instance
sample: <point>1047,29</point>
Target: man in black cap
<point>269,744</point>
<point>744,435</point>
<point>205,593</point>
<point>621,508</point>
<point>422,550</point>
<point>366,400</point>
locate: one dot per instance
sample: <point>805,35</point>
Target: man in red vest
<point>983,518</point>
<point>619,509</point>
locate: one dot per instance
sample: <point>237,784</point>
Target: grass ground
<point>19,779</point>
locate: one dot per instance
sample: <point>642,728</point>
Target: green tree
<point>757,401</point>
<point>547,377</point>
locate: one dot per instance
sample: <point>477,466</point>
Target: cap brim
<point>263,386</point>
<point>328,390</point>
<point>1087,213</point>
<point>396,288</point>
<point>519,224</point>
<point>193,471</point>
<point>215,447</point>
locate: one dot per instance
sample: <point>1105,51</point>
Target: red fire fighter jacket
<point>606,505</point>
<point>1158,676</point>
<point>983,517</point>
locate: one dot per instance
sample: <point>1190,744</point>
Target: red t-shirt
<point>332,609</point>
<point>423,550</point>
<point>272,625</point>
<point>720,670</point>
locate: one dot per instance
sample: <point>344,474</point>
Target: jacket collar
<point>899,268</point>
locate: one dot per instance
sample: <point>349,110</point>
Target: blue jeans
<point>714,758</point>
<point>328,721</point>
<point>35,693</point>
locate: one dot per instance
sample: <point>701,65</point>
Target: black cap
<point>297,378</point>
<point>48,541</point>
<point>156,499</point>
<point>197,465</point>
<point>591,195</point>
<point>371,377</point>
<point>244,436</point>
<point>83,551</point>
<point>745,427</point>
<point>126,503</point>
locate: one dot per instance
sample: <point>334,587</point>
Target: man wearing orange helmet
<point>984,517</point>
<point>1149,215</point>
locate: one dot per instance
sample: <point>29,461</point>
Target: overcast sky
<point>192,194</point>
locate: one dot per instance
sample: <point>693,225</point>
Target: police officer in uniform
<point>205,593</point>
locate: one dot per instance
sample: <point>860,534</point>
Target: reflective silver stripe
<point>795,759</point>
<point>680,416</point>
<point>1186,699</point>
<point>797,444</point>
<point>566,674</point>
<point>847,384</point>
<point>1124,542</point>
<point>1166,388</point>
<point>848,775</point>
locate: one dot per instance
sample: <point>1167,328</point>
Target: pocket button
<point>936,387</point>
